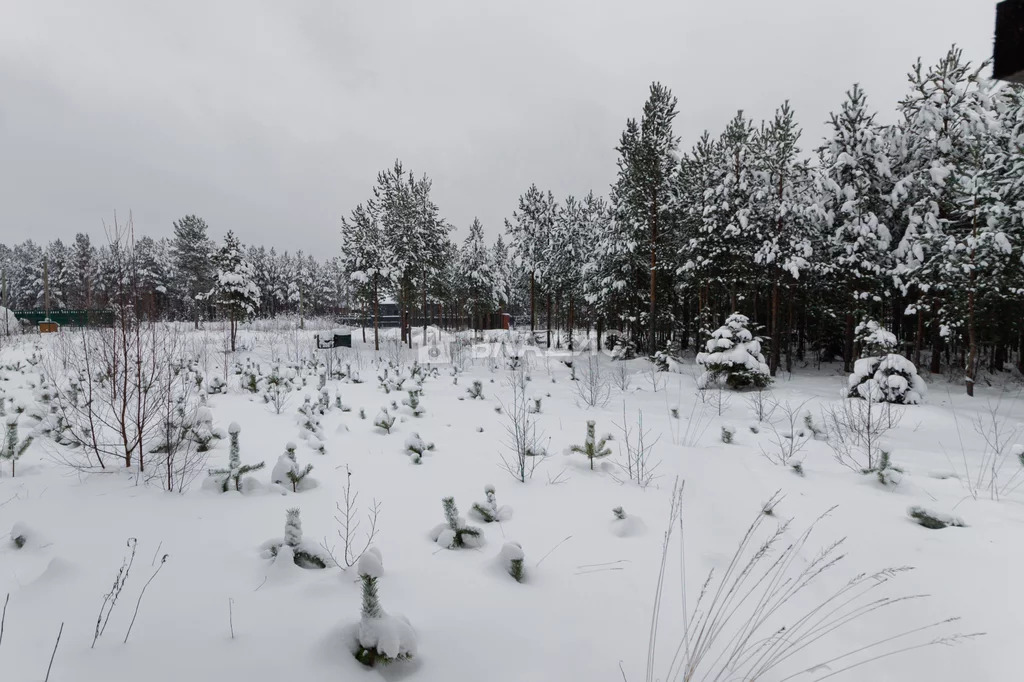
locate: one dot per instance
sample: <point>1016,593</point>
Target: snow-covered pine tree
<point>734,355</point>
<point>475,260</point>
<point>642,208</point>
<point>192,253</point>
<point>881,374</point>
<point>858,180</point>
<point>529,232</point>
<point>947,192</point>
<point>235,290</point>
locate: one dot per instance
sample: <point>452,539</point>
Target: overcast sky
<point>272,118</point>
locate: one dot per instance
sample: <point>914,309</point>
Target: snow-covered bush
<point>235,470</point>
<point>593,448</point>
<point>512,557</point>
<point>303,554</point>
<point>454,533</point>
<point>622,347</point>
<point>733,356</point>
<point>489,511</point>
<point>287,471</point>
<point>13,448</point>
<point>381,637</point>
<point>413,401</point>
<point>416,446</point>
<point>625,525</point>
<point>934,520</point>
<point>20,535</point>
<point>476,391</point>
<point>888,378</point>
<point>384,421</point>
<point>728,433</point>
<point>216,385</point>
<point>669,359</point>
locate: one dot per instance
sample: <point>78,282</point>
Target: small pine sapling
<point>381,638</point>
<point>887,473</point>
<point>593,448</point>
<point>235,470</point>
<point>489,511</point>
<point>416,447</point>
<point>476,391</point>
<point>302,554</point>
<point>620,513</point>
<point>13,449</point>
<point>535,405</point>
<point>512,557</point>
<point>454,532</point>
<point>728,433</point>
<point>413,401</point>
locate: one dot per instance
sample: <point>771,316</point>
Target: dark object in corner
<point>1008,54</point>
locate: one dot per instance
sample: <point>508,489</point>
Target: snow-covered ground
<point>221,609</point>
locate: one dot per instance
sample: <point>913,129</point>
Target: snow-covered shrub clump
<point>734,356</point>
<point>416,446</point>
<point>489,511</point>
<point>381,637</point>
<point>454,533</point>
<point>303,554</point>
<point>934,520</point>
<point>884,376</point>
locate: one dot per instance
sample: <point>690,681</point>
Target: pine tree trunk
<point>1020,352</point>
<point>533,303</point>
<point>572,321</point>
<point>600,328</point>
<point>936,363</point>
<point>549,319</point>
<point>774,367</point>
<point>376,315</point>
<point>972,338</point>
<point>919,336</point>
<point>848,344</point>
<point>654,241</point>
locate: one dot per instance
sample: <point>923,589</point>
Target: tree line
<point>916,225</point>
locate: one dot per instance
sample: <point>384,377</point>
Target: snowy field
<point>221,607</point>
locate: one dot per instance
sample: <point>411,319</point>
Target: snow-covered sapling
<point>302,554</point>
<point>619,513</point>
<point>881,374</point>
<point>887,473</point>
<point>593,448</point>
<point>512,559</point>
<point>489,511</point>
<point>19,535</point>
<point>235,470</point>
<point>476,391</point>
<point>934,520</point>
<point>416,446</point>
<point>534,406</point>
<point>385,421</point>
<point>381,638</point>
<point>728,433</point>
<point>13,448</point>
<point>288,471</point>
<point>413,401</point>
<point>454,533</point>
